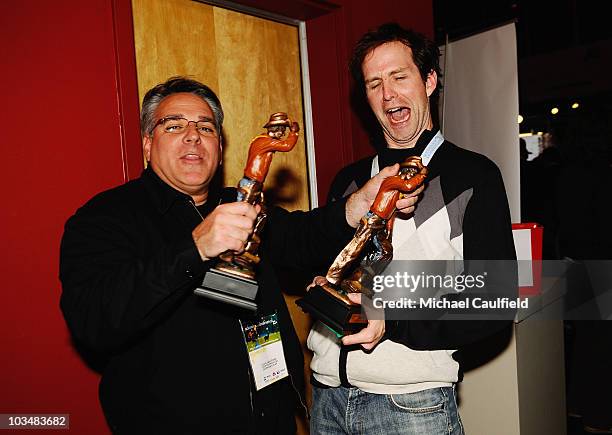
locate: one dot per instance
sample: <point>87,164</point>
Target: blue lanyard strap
<point>431,148</point>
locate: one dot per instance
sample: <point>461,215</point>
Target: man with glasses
<point>132,256</point>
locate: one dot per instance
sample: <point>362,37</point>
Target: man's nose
<point>191,133</point>
<point>388,91</point>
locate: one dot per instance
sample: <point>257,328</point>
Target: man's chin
<point>197,184</point>
<point>397,133</point>
<point>399,139</point>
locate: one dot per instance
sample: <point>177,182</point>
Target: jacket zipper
<point>251,392</point>
<point>196,209</point>
<point>302,402</point>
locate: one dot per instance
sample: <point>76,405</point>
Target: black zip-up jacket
<point>177,363</point>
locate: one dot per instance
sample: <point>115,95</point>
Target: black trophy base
<point>231,289</point>
<point>341,316</point>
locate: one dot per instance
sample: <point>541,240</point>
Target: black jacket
<point>177,363</point>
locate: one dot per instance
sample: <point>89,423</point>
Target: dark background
<point>564,56</point>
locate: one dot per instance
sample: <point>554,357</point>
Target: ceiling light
<point>575,106</point>
<point>554,110</point>
<point>520,119</point>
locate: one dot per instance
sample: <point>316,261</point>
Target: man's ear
<point>431,83</point>
<point>147,140</point>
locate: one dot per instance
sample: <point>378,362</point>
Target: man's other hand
<point>227,227</point>
<point>407,202</point>
<point>318,280</point>
<point>369,336</point>
<point>360,202</point>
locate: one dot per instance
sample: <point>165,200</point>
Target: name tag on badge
<point>263,342</point>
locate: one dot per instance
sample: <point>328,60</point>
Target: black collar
<point>390,156</point>
<point>162,194</point>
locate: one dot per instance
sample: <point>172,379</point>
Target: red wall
<point>69,111</point>
<point>61,140</point>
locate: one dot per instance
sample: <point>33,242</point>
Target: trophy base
<point>231,289</point>
<point>334,309</point>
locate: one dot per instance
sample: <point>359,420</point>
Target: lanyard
<point>431,148</point>
<point>426,155</point>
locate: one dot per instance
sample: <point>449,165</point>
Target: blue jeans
<point>352,411</point>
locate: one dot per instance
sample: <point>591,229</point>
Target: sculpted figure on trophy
<point>233,279</point>
<point>250,187</point>
<point>327,299</point>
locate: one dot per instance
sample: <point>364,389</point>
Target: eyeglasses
<point>177,125</point>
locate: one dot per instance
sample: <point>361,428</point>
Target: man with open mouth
<point>398,376</point>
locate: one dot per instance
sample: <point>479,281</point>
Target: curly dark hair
<point>425,53</point>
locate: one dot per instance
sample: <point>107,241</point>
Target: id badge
<point>263,342</point>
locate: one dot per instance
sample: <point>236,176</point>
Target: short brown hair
<point>425,54</point>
